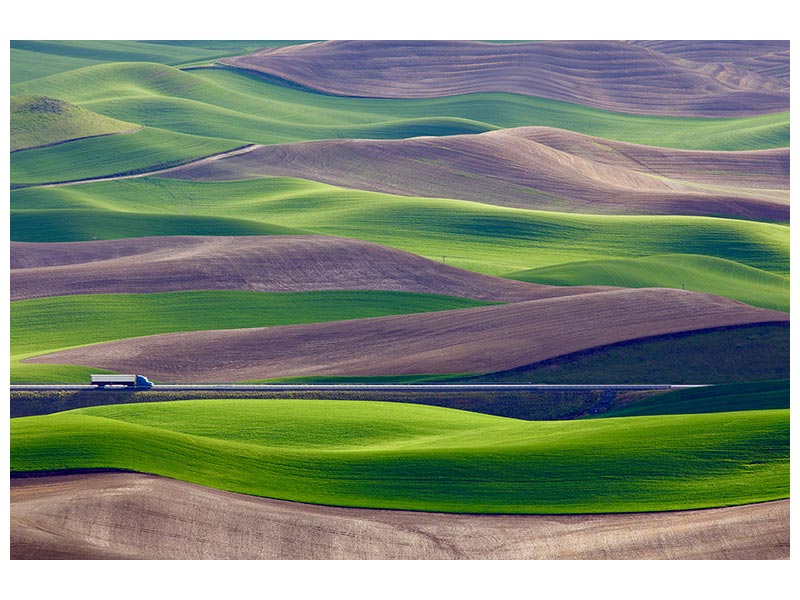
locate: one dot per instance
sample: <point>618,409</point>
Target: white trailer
<point>127,379</point>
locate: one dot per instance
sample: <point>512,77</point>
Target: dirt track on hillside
<point>534,168</point>
<point>144,173</point>
<point>258,263</point>
<point>476,340</point>
<point>125,515</point>
<point>610,75</point>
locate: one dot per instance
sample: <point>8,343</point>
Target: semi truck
<point>128,379</point>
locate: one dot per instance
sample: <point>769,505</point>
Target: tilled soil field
<point>533,168</point>
<point>476,340</point>
<point>257,263</point>
<point>611,75</point>
<point>133,516</point>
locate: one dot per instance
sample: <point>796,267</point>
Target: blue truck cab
<point>143,382</point>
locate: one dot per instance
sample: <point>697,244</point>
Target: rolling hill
<point>32,59</point>
<point>230,104</point>
<point>719,355</point>
<point>761,170</point>
<point>762,395</point>
<point>554,212</point>
<point>143,150</point>
<point>258,263</point>
<point>29,64</point>
<point>471,340</point>
<point>563,172</point>
<point>44,325</point>
<point>474,236</point>
<point>40,121</point>
<point>387,455</point>
<point>610,75</point>
<point>766,57</point>
<point>686,271</point>
<point>43,526</point>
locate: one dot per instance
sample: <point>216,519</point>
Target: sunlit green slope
<point>114,50</point>
<point>385,455</point>
<point>37,120</point>
<point>716,398</point>
<point>470,235</point>
<point>145,150</point>
<point>688,271</point>
<point>29,64</point>
<point>31,59</point>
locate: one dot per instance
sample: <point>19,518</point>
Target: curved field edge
<point>530,167</point>
<point>719,355</point>
<point>40,121</point>
<point>692,272</point>
<point>487,338</point>
<point>539,405</point>
<point>716,356</point>
<point>378,455</point>
<point>32,59</point>
<point>43,325</point>
<point>613,75</point>
<point>76,224</point>
<point>761,395</point>
<point>227,103</point>
<point>45,525</point>
<point>529,405</point>
<point>117,155</point>
<point>474,236</point>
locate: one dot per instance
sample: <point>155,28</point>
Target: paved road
<point>405,387</point>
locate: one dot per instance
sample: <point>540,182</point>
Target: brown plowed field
<point>535,168</point>
<point>125,515</point>
<point>259,263</point>
<point>767,57</point>
<point>611,75</point>
<point>484,339</point>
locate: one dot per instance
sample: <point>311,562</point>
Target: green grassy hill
<point>72,225</point>
<point>31,59</point>
<point>115,50</point>
<point>37,120</point>
<point>233,104</point>
<point>741,354</point>
<point>470,235</point>
<point>760,395</point>
<point>46,325</point>
<point>30,64</point>
<point>386,455</point>
<point>145,150</point>
<point>688,271</point>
